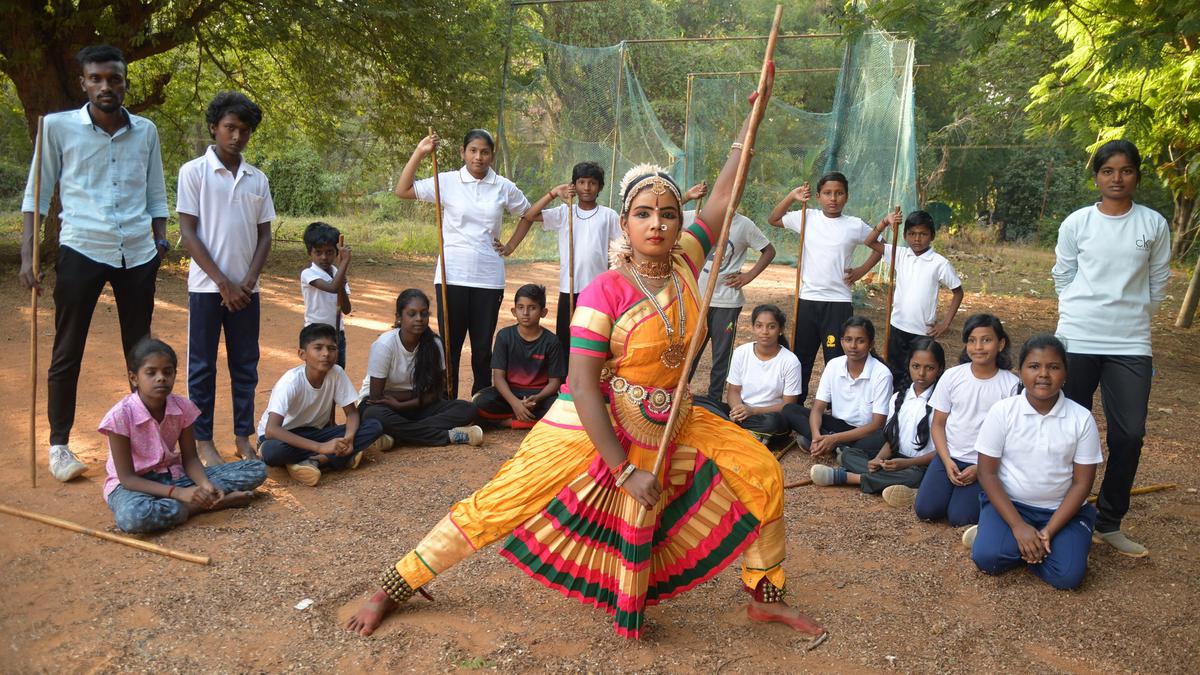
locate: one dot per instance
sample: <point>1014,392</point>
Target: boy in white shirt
<point>323,285</point>
<point>920,271</point>
<point>593,227</point>
<point>1038,453</point>
<point>225,213</point>
<point>826,274</point>
<point>728,299</point>
<point>295,429</point>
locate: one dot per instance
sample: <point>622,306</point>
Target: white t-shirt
<point>320,306</point>
<point>912,411</point>
<point>1110,273</point>
<point>391,361</point>
<point>301,405</point>
<point>852,400</point>
<point>1038,452</point>
<point>472,211</point>
<point>967,399</point>
<point>829,245</point>
<point>593,231</point>
<point>917,281</point>
<point>743,235</point>
<point>229,209</point>
<point>764,383</point>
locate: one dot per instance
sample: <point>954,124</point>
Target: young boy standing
<point>920,270</point>
<point>527,366</point>
<point>225,213</point>
<point>727,299</point>
<point>827,274</point>
<point>323,284</point>
<point>594,227</point>
<point>295,429</point>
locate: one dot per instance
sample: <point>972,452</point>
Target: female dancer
<point>474,200</point>
<point>572,496</point>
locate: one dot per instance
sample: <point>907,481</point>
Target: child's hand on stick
<point>344,257</point>
<point>802,193</point>
<point>564,191</point>
<point>428,145</point>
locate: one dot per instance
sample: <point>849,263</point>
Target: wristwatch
<point>163,244</point>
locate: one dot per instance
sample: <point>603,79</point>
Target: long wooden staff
<point>128,541</point>
<point>437,199</point>
<point>571,251</point>
<point>799,261</point>
<point>33,304</point>
<point>887,313</point>
<point>739,184</point>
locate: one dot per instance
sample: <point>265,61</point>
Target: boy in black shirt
<point>528,366</point>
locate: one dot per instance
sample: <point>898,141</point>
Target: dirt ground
<point>895,593</point>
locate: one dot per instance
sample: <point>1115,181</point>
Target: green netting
<point>580,104</point>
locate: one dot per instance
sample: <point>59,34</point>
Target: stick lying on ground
<point>128,541</point>
<point>1141,490</point>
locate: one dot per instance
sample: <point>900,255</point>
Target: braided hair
<point>427,368</point>
<point>891,430</point>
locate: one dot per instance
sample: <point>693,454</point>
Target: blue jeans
<point>206,319</point>
<point>138,512</point>
<point>277,453</point>
<point>996,551</point>
<point>939,499</point>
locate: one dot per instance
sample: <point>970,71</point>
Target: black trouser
<point>77,288</point>
<point>798,418</point>
<point>1124,383</point>
<point>722,330</point>
<point>493,408</point>
<point>770,424</point>
<point>475,311</point>
<point>428,426</point>
<point>206,317</point>
<point>818,325</point>
<point>899,348</point>
<point>562,325</point>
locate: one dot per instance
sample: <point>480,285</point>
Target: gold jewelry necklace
<point>672,357</point>
<point>652,269</point>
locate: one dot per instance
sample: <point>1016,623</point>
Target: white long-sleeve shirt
<point>1110,273</point>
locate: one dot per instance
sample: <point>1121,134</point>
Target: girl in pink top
<point>155,479</point>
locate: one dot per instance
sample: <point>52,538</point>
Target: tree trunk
<point>1188,311</point>
<point>1183,231</point>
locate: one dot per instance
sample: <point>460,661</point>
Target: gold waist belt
<point>642,411</point>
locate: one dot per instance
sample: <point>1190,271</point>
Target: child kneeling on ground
<point>1038,453</point>
<point>297,430</point>
<point>906,434</point>
<point>764,376</point>
<point>405,386</point>
<point>155,478</point>
<point>527,366</point>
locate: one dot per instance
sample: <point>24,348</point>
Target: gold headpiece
<point>645,176</point>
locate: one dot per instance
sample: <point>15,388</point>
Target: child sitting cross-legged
<point>155,478</point>
<point>1038,453</point>
<point>405,386</point>
<point>897,469</point>
<point>296,429</point>
<point>527,366</point>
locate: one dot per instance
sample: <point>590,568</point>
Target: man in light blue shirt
<point>108,169</point>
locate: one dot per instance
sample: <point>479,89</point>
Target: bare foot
<point>245,449</point>
<point>208,453</point>
<point>233,500</point>
<point>781,612</point>
<point>371,613</point>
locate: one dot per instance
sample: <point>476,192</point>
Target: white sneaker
<point>384,442</point>
<point>968,537</point>
<point>306,472</point>
<point>472,435</point>
<point>64,465</point>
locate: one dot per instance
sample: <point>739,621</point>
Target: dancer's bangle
<point>625,474</point>
<point>616,470</point>
<point>737,145</point>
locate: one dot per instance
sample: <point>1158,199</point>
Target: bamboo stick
<point>445,318</point>
<point>1146,489</point>
<point>739,182</point>
<point>33,303</point>
<point>571,253</point>
<point>799,265</point>
<point>891,296</point>
<point>128,541</point>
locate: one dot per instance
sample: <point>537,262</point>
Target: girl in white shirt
<point>764,376</point>
<point>474,200</point>
<point>905,435</point>
<point>852,398</point>
<point>405,387</point>
<point>1038,453</point>
<point>949,490</point>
